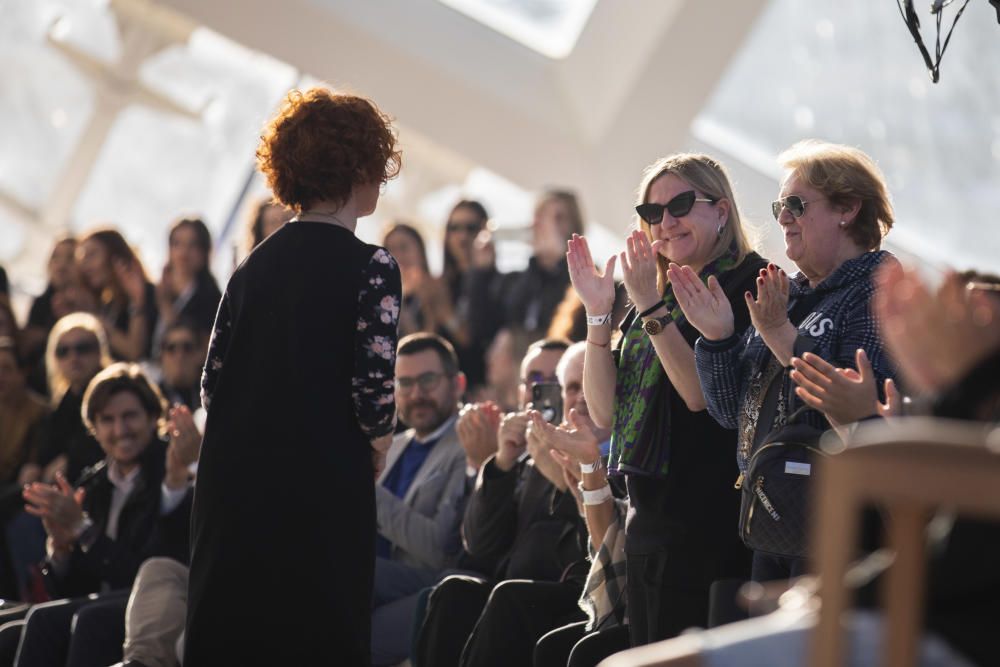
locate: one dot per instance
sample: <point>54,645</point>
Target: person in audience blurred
<point>56,300</point>
<point>503,379</point>
<point>126,300</point>
<point>834,210</point>
<point>182,353</point>
<point>268,217</point>
<point>525,299</point>
<point>676,460</point>
<point>299,369</point>
<point>187,289</point>
<point>76,351</point>
<point>133,505</point>
<point>953,361</point>
<point>420,494</point>
<point>605,631</point>
<point>466,221</point>
<point>22,419</point>
<point>427,306</point>
<point>520,523</point>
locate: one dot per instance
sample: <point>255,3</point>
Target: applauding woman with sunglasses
<point>677,461</point>
<point>834,211</point>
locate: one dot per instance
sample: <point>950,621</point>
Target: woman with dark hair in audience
<point>129,507</point>
<point>126,300</point>
<point>467,219</point>
<point>62,295</point>
<point>188,290</point>
<point>299,373</point>
<point>834,210</point>
<point>677,462</point>
<point>268,217</point>
<point>525,299</point>
<point>22,415</point>
<point>427,305</point>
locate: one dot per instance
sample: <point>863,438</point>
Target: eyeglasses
<point>538,377</point>
<point>467,227</point>
<point>794,203</point>
<point>678,207</point>
<point>426,381</point>
<point>186,347</point>
<point>63,350</point>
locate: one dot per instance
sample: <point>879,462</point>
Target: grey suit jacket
<point>423,525</point>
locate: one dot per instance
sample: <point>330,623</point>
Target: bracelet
<point>598,320</point>
<point>652,309</point>
<point>597,496</point>
<point>594,342</point>
<point>591,467</point>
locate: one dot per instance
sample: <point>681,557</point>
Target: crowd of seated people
<point>510,534</point>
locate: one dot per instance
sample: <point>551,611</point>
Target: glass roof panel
<point>550,27</point>
<point>851,73</point>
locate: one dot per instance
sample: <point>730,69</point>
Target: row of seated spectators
<point>573,509</point>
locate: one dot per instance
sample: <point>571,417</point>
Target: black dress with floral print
<point>298,381</point>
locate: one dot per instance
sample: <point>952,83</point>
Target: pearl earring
<point>843,223</point>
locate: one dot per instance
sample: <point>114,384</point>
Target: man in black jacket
<point>133,505</point>
<point>519,525</point>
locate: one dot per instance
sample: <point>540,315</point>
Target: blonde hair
<point>845,175</point>
<point>58,384</point>
<point>706,175</point>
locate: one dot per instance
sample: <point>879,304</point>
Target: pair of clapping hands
<point>60,506</point>
<point>557,451</point>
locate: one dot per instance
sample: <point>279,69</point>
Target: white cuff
<point>597,496</point>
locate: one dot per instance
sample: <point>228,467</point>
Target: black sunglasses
<point>678,207</point>
<point>794,203</point>
<point>81,349</point>
<point>468,227</point>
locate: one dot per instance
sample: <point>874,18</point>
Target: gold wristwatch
<point>655,325</point>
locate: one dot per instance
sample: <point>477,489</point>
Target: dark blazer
<point>142,532</point>
<point>518,522</point>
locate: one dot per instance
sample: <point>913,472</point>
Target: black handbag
<point>774,504</point>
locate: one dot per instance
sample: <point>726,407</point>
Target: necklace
<point>320,216</point>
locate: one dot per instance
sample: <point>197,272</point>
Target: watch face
<point>652,327</point>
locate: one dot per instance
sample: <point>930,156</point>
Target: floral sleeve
<point>375,346</point>
<point>216,351</point>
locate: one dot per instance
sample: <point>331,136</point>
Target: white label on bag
<point>796,468</point>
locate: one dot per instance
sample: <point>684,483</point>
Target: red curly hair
<point>321,144</point>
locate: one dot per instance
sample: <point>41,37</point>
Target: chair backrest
<point>909,466</point>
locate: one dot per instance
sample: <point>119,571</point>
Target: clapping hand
<point>705,307</point>
<point>844,395</point>
<point>477,431</point>
<point>578,443</point>
<point>184,447</point>
<point>639,265</point>
<point>769,311</point>
<point>59,506</point>
<point>596,289</point>
<point>512,440</point>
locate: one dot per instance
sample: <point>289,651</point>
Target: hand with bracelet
<point>639,266</point>
<point>596,289</point>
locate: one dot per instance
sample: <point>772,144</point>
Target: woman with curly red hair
<point>299,391</point>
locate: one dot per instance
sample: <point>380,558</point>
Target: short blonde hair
<point>58,384</point>
<point>845,175</point>
<point>706,175</point>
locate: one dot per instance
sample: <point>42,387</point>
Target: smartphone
<point>546,397</point>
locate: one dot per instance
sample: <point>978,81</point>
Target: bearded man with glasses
<point>420,495</point>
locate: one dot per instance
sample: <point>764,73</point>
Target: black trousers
<point>662,603</point>
<point>516,616</point>
<point>572,646</point>
<point>82,632</point>
<point>770,567</point>
<point>471,622</point>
